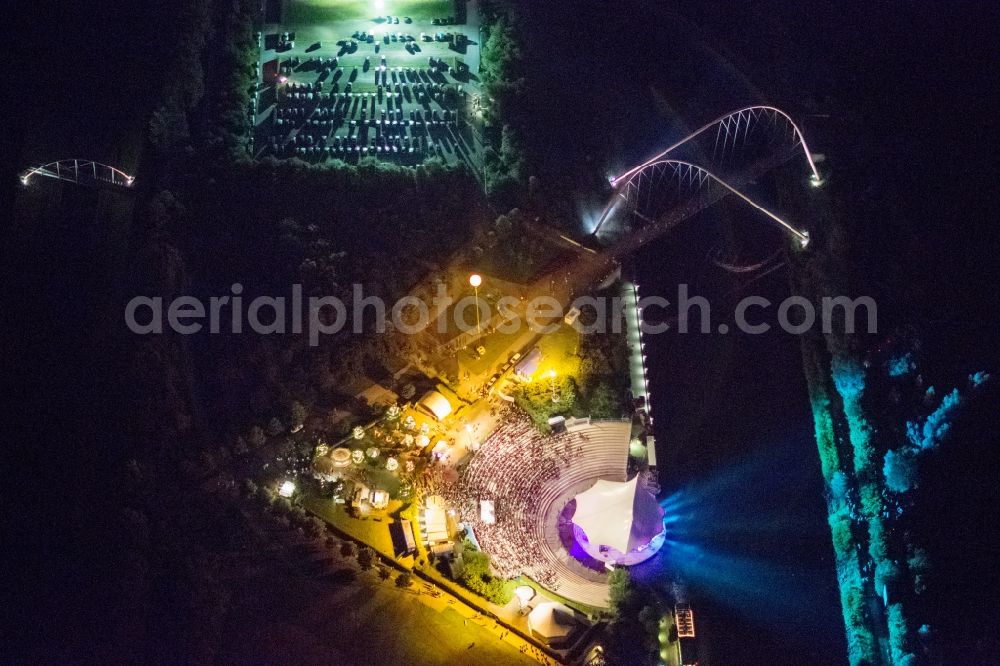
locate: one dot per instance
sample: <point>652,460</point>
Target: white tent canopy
<point>436,404</point>
<point>435,527</point>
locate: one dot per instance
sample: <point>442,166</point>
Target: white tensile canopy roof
<point>618,514</point>
<point>604,513</point>
<point>436,404</point>
<point>551,620</point>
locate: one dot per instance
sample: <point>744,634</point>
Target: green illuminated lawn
<point>308,12</point>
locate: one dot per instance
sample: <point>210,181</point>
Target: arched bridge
<point>659,187</point>
<point>81,172</point>
<point>717,160</point>
<point>737,136</point>
<point>728,152</point>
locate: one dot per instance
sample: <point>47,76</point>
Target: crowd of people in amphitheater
<point>510,469</point>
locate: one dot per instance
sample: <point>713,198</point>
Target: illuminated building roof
<point>436,404</point>
<point>551,621</point>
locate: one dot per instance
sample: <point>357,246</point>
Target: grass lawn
<point>303,12</point>
<point>293,607</point>
<point>373,532</point>
<point>559,352</point>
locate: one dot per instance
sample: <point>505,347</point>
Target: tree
<point>503,225</point>
<point>886,573</point>
<point>403,580</point>
<point>920,567</point>
<point>314,527</point>
<point>207,461</point>
<point>384,573</point>
<point>366,558</point>
<point>603,402</point>
<point>256,437</point>
<point>840,529</point>
<point>619,587</point>
<point>264,496</point>
<point>477,577</point>
<point>168,127</point>
<point>348,549</point>
<point>900,470</point>
<point>274,427</point>
<point>249,488</point>
<point>298,515</point>
<point>839,486</point>
<point>297,413</point>
<point>633,631</point>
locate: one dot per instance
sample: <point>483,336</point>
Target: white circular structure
<point>341,457</point>
<point>524,594</point>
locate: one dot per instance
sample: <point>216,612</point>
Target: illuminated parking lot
<point>340,81</point>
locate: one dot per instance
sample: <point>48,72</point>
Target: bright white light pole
<point>552,380</point>
<point>475,280</point>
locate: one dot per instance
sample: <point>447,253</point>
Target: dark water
<point>738,464</point>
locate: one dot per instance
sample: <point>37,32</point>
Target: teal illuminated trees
<point>870,449</point>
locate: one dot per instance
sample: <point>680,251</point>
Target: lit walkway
<point>636,361</point>
<point>638,376</point>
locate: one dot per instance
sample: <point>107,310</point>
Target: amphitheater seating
<point>530,477</point>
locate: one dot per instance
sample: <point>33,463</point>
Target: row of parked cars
<point>340,145</point>
<point>369,37</point>
<point>515,357</point>
<point>295,116</point>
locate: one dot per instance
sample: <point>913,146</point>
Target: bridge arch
<point>727,127</point>
<point>81,172</point>
<point>665,184</point>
